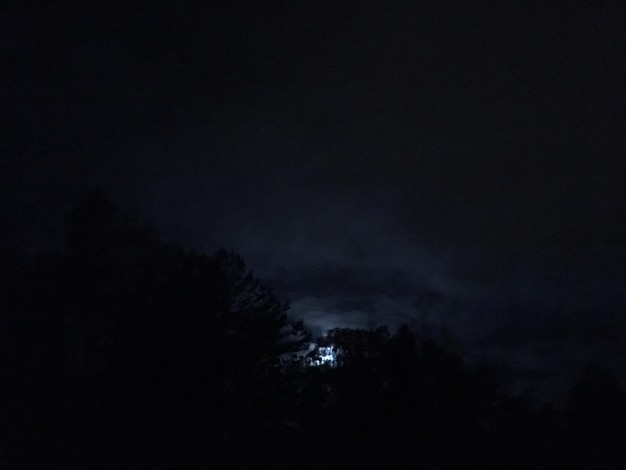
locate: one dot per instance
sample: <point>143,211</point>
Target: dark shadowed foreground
<point>123,351</point>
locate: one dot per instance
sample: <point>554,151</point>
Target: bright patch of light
<point>324,355</point>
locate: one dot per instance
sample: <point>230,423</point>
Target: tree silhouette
<point>596,420</point>
<point>126,350</point>
<point>121,343</point>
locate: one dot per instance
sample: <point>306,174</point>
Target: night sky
<point>453,165</point>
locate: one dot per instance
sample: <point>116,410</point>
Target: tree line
<point>123,350</point>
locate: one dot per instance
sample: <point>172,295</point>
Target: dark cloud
<point>329,280</point>
<point>440,162</point>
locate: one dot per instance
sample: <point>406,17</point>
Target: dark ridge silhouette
<point>124,351</point>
